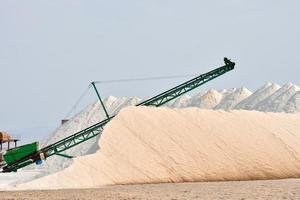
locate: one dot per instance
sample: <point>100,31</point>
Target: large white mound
<point>150,145</point>
<point>269,98</point>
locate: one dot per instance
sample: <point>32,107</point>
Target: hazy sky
<point>51,50</point>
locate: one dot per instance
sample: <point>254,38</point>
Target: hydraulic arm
<point>59,147</point>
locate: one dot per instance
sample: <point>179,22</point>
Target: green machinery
<point>20,152</point>
<point>66,143</point>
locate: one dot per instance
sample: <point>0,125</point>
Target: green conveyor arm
<point>96,129</point>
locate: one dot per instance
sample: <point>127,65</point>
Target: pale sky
<point>51,50</point>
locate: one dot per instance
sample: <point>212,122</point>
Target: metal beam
<point>96,129</point>
<point>100,99</point>
<point>183,88</point>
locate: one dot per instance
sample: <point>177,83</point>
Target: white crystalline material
<point>280,102</point>
<point>225,92</point>
<point>222,91</point>
<point>267,103</point>
<point>109,101</point>
<point>230,100</point>
<point>11,179</point>
<point>278,99</point>
<point>180,102</point>
<point>152,145</point>
<point>89,116</point>
<point>122,102</point>
<point>207,101</point>
<point>258,96</point>
<point>267,98</point>
<point>293,105</point>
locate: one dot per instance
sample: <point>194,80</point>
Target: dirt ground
<point>273,189</point>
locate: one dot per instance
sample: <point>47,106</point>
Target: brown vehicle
<point>4,137</point>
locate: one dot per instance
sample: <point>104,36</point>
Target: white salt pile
<point>270,97</point>
<point>151,145</point>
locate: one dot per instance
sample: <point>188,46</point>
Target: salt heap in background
<point>206,101</point>
<point>293,104</point>
<point>87,117</point>
<point>276,101</point>
<point>231,99</point>
<point>258,96</point>
<point>151,145</point>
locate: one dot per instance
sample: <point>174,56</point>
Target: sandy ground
<point>270,189</point>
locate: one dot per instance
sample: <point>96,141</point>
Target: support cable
<point>145,79</point>
<point>78,101</point>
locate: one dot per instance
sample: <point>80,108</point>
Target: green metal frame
<point>96,129</point>
<point>64,155</point>
<point>100,99</point>
<point>75,139</point>
<point>186,87</point>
